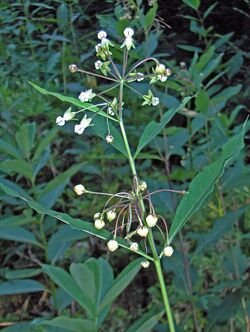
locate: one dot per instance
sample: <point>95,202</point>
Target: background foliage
<point>50,273</point>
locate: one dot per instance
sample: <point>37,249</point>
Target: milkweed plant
<point>130,215</point>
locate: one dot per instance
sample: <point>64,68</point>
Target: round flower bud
<point>79,189</point>
<point>99,223</point>
<point>168,72</point>
<point>97,215</point>
<point>110,111</point>
<point>145,264</point>
<point>73,68</point>
<point>128,32</point>
<point>112,245</point>
<point>151,220</point>
<point>134,246</point>
<point>143,186</point>
<point>168,251</point>
<point>109,138</point>
<point>142,231</point>
<point>160,69</point>
<point>102,34</point>
<point>98,64</point>
<point>139,77</point>
<point>111,215</point>
<point>60,121</point>
<point>155,101</point>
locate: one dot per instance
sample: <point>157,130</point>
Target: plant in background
<point>129,215</point>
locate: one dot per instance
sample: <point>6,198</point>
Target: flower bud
<point>134,246</point>
<point>112,245</point>
<point>73,68</point>
<point>142,231</point>
<point>155,101</point>
<point>102,34</point>
<point>98,64</point>
<point>168,251</point>
<point>97,215</point>
<point>79,189</point>
<point>111,215</point>
<point>99,223</point>
<point>142,186</point>
<point>151,220</point>
<point>160,69</point>
<point>128,32</point>
<point>109,139</point>
<point>145,264</point>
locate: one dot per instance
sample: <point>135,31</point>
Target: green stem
<point>157,261</point>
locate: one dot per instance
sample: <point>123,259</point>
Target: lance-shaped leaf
<point>73,101</point>
<point>75,223</point>
<point>203,184</point>
<point>154,128</point>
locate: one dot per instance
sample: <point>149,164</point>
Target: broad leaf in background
<point>203,184</point>
<point>20,287</point>
<point>71,324</point>
<point>147,321</point>
<point>73,101</point>
<point>153,128</point>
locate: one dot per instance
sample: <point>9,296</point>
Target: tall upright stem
<point>157,261</point>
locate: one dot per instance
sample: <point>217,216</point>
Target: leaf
<point>71,324</point>
<point>55,187</point>
<point>17,166</point>
<point>220,227</point>
<point>225,310</point>
<point>203,184</point>
<point>75,223</point>
<point>22,273</point>
<point>150,16</point>
<point>73,101</point>
<point>9,149</point>
<point>25,138</point>
<point>195,4</point>
<point>20,287</point>
<point>18,234</point>
<point>147,321</point>
<point>44,142</point>
<point>122,281</point>
<point>153,128</point>
<point>67,283</point>
<point>202,101</point>
<point>62,16</point>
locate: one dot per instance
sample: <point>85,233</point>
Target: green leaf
<point>9,149</point>
<point>44,142</point>
<point>21,274</point>
<point>67,283</point>
<point>150,17</point>
<point>122,281</point>
<point>17,166</point>
<point>220,228</point>
<point>202,101</point>
<point>25,138</point>
<point>55,187</point>
<point>73,101</point>
<point>75,223</point>
<point>147,321</point>
<point>153,128</point>
<point>203,184</point>
<point>195,4</point>
<point>62,16</point>
<point>71,324</point>
<point>20,287</point>
<point>18,234</point>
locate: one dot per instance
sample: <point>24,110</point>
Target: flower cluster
<point>161,73</point>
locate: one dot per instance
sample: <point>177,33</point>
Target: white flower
<point>142,231</point>
<point>151,220</point>
<point>105,42</point>
<point>79,129</point>
<point>160,69</point>
<point>168,251</point>
<point>86,95</point>
<point>109,138</point>
<point>98,64</point>
<point>111,215</point>
<point>102,34</point>
<point>155,101</point>
<point>128,32</point>
<point>162,78</point>
<point>145,264</point>
<point>112,245</point>
<point>143,186</point>
<point>68,115</point>
<point>140,77</point>
<point>73,68</point>
<point>110,112</point>
<point>79,189</point>
<point>98,47</point>
<point>134,246</point>
<point>99,223</point>
<point>60,121</point>
<point>97,215</point>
